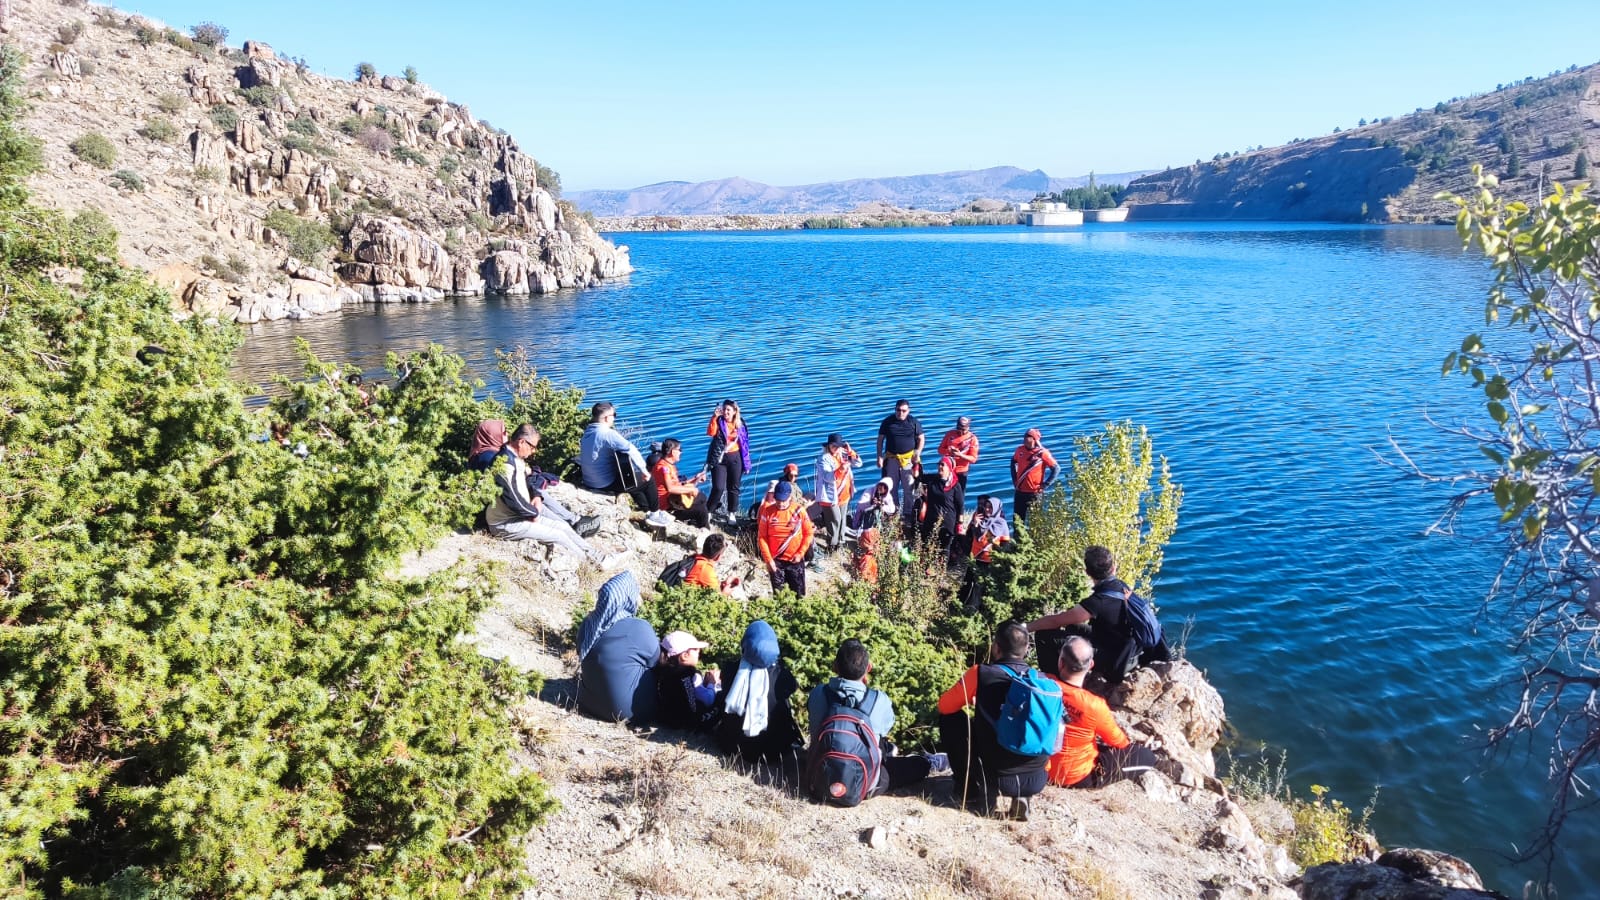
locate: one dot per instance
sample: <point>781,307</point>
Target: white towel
<point>748,697</point>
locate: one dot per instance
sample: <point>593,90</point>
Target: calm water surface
<point>1272,365</point>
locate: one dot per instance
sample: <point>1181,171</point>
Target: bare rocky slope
<point>1528,134</point>
<point>379,190</point>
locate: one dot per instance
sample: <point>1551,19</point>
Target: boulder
<point>258,50</point>
<point>209,152</point>
<point>466,277</point>
<point>399,254</point>
<point>66,65</point>
<point>247,135</point>
<point>1174,702</point>
<point>1415,875</point>
<point>393,83</point>
<point>177,279</point>
<point>294,268</point>
<point>505,272</point>
<point>259,72</point>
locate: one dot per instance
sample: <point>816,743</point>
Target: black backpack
<point>845,760</point>
<point>1139,620</point>
<point>674,574</point>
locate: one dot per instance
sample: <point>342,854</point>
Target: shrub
<point>69,32</point>
<point>548,178</point>
<point>307,238</point>
<point>559,412</point>
<point>171,103</point>
<point>128,180</point>
<point>209,34</point>
<point>262,96</point>
<point>215,686</point>
<point>1580,166</point>
<point>905,664</point>
<point>366,71</point>
<point>1325,830</point>
<point>406,154</point>
<point>410,74</point>
<point>225,117</point>
<point>304,126</point>
<point>173,37</point>
<point>307,145</point>
<point>376,139</point>
<point>449,164</point>
<point>95,149</point>
<point>429,126</point>
<point>159,129</point>
<point>207,173</point>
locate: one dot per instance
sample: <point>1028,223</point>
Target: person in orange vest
<point>677,496</point>
<point>783,535</point>
<point>1032,470</point>
<point>703,572</point>
<point>836,486</point>
<point>961,445</point>
<point>865,564</point>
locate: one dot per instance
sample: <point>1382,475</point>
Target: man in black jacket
<point>1109,627</point>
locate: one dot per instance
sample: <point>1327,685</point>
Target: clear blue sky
<point>619,94</point>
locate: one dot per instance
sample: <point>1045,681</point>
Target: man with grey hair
<point>1095,751</point>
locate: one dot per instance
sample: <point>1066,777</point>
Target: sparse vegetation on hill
<point>1391,168</point>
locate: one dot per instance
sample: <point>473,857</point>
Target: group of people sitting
<point>1026,729</point>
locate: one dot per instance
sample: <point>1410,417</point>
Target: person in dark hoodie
<point>756,722</point>
<point>983,770</point>
<point>686,695</point>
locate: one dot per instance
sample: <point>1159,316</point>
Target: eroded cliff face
<point>1527,134</point>
<point>1344,181</point>
<point>380,190</point>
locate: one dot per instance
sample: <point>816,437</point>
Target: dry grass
<point>660,880</point>
<point>1093,882</point>
<point>992,879</point>
<point>757,837</point>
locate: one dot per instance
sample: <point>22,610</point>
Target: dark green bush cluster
<point>304,126</point>
<point>209,33</point>
<point>406,154</point>
<point>262,96</point>
<point>307,238</point>
<point>95,149</point>
<point>366,70</point>
<point>213,685</point>
<point>159,128</point>
<point>128,179</point>
<point>225,117</point>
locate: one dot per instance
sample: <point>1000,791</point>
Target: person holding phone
<point>727,459</point>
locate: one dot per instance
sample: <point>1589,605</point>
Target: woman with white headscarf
<point>617,653</point>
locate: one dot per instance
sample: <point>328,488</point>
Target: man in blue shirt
<point>602,451</point>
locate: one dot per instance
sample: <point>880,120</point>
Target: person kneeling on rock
<point>1095,751</point>
<point>520,513</point>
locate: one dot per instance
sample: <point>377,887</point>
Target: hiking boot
<point>938,763</point>
<point>586,526</point>
<point>1020,809</point>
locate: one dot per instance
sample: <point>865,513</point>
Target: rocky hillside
<point>1528,134</point>
<point>257,189</point>
<point>741,196</point>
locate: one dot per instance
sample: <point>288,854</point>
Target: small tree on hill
<point>209,33</point>
<point>1580,166</point>
<point>1534,365</point>
<point>1514,164</point>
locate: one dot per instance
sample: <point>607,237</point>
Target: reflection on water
<point>1269,362</point>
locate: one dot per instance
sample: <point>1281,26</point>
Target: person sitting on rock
<point>756,721</point>
<point>783,536</point>
<point>1095,751</point>
<point>487,440</point>
<point>983,770</point>
<point>703,571</point>
<point>602,454</point>
<point>875,505</point>
<point>1104,614</point>
<point>673,494</point>
<point>519,513</point>
<point>617,654</point>
<point>685,696</point>
<point>852,666</point>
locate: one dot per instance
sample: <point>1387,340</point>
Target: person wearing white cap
<point>685,696</point>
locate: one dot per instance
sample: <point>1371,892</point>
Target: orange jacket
<point>962,449</point>
<point>1028,466</point>
<point>703,573</point>
<point>1088,718</point>
<point>783,532</point>
<point>983,544</point>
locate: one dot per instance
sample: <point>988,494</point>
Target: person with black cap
<point>783,535</point>
<point>836,485</point>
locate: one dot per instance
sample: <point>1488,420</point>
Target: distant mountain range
<point>736,196</point>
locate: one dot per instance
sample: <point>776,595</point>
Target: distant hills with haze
<point>741,196</point>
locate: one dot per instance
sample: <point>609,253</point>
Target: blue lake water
<point>1272,365</point>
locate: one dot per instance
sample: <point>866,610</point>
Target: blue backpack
<point>843,766</point>
<point>1030,720</point>
<point>1140,620</point>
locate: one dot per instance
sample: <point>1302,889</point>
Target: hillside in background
<point>1528,134</point>
<point>741,196</point>
<point>256,189</point>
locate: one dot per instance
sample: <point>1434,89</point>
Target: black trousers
<point>1115,764</point>
<point>1020,503</point>
<point>791,575</point>
<point>900,771</point>
<point>725,478</point>
<point>978,782</point>
<point>697,515</point>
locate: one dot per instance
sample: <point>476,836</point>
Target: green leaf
<point>1497,412</point>
<point>1495,455</point>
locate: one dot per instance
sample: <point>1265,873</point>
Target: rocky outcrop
<point>1403,874</point>
<point>412,185</point>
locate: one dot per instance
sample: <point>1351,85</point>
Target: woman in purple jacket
<point>727,459</point>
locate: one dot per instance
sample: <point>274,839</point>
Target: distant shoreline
<point>897,218</point>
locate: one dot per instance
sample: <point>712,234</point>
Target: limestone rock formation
<point>1172,703</point>
<point>411,186</point>
<point>1405,874</point>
